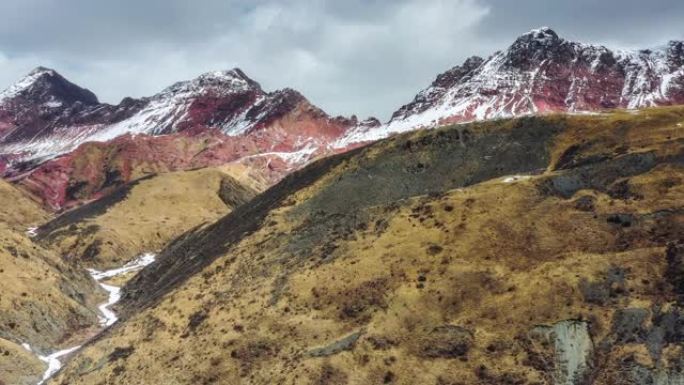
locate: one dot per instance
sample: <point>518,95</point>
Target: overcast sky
<point>348,57</point>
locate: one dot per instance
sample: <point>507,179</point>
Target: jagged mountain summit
<point>540,73</point>
<point>44,115</point>
<point>65,146</point>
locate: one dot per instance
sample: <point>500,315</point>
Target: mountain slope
<point>217,118</point>
<point>531,251</point>
<point>144,215</point>
<point>540,73</point>
<point>44,301</point>
<point>19,210</point>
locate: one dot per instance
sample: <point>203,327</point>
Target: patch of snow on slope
<point>31,232</point>
<point>292,158</point>
<point>515,178</point>
<point>66,139</point>
<point>52,360</point>
<point>241,124</point>
<point>134,265</point>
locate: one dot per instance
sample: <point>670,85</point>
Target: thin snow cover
<point>241,124</point>
<point>52,360</point>
<point>25,83</point>
<point>63,140</point>
<point>497,90</point>
<point>161,114</point>
<point>292,158</point>
<point>170,106</point>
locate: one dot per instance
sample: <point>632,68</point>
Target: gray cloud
<point>357,56</point>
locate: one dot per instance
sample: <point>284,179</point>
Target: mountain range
<point>520,222</point>
<point>48,125</point>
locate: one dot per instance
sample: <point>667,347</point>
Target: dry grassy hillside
<point>531,251</point>
<point>17,209</point>
<point>146,214</point>
<point>43,300</point>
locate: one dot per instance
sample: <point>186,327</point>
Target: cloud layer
<point>357,56</point>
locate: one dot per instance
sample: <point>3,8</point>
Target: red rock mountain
<point>44,115</point>
<point>59,141</point>
<point>540,73</point>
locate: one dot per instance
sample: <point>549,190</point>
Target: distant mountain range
<point>47,122</point>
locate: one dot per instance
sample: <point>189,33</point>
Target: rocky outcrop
<point>572,350</point>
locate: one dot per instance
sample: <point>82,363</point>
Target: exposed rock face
<point>572,350</point>
<point>541,73</point>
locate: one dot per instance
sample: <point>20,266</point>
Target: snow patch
<point>52,360</point>
<point>53,104</point>
<point>136,264</point>
<point>292,158</point>
<point>32,232</point>
<point>515,178</point>
<point>108,317</point>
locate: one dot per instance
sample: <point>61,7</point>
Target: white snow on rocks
<point>32,232</point>
<point>497,90</point>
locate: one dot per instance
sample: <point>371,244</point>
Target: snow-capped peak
<point>26,82</point>
<point>228,81</point>
<point>533,43</point>
<point>541,34</point>
<point>47,86</point>
<point>540,73</point>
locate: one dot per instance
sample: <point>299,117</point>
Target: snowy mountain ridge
<point>541,73</point>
